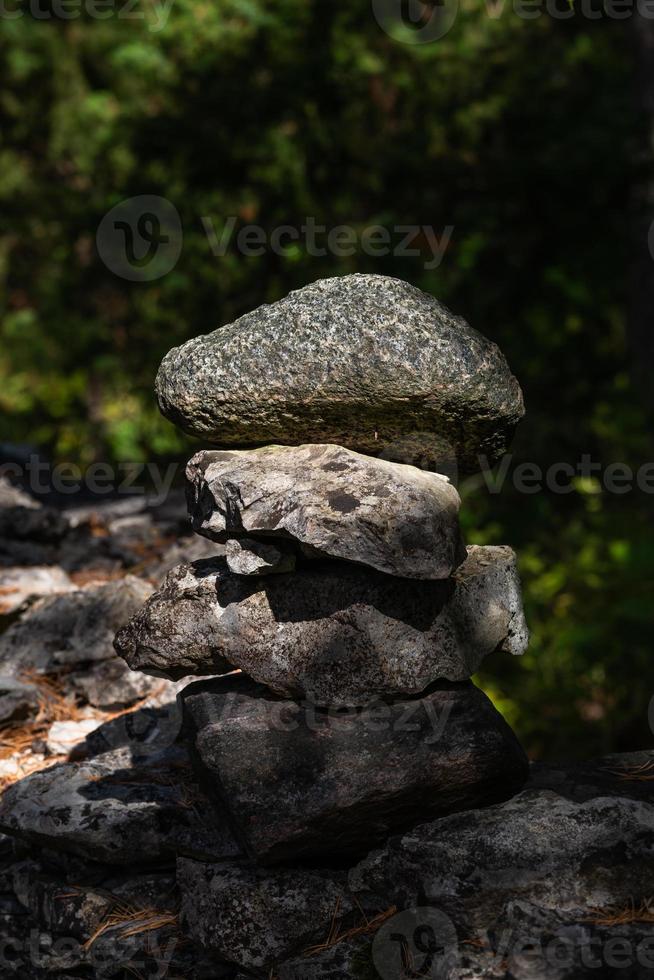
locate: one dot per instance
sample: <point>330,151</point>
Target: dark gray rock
<point>628,775</point>
<point>362,361</point>
<point>31,536</point>
<point>111,685</point>
<point>537,847</point>
<point>531,942</point>
<point>336,633</point>
<point>300,782</point>
<point>71,629</point>
<point>255,918</point>
<point>112,811</point>
<point>346,959</point>
<point>394,518</point>
<point>245,556</point>
<point>17,700</point>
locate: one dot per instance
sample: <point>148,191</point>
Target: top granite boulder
<point>363,361</point>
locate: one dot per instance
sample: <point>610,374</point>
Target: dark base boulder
<point>302,782</point>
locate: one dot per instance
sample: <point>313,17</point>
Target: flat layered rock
<point>253,917</point>
<point>335,633</point>
<point>333,502</point>
<point>111,811</point>
<point>300,782</point>
<point>362,361</point>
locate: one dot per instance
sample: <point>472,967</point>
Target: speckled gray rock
<point>536,847</point>
<point>253,917</point>
<point>336,633</point>
<point>363,361</point>
<point>108,810</point>
<point>246,556</point>
<point>394,518</point>
<point>300,782</point>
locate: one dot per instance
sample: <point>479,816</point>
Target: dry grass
<point>54,704</point>
<point>614,915</point>
<point>643,773</point>
<point>129,921</point>
<point>367,927</point>
<point>95,576</point>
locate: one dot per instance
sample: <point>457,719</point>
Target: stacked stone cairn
<point>342,624</point>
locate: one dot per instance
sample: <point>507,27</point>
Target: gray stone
<point>537,847</point>
<point>255,918</point>
<point>530,942</point>
<point>395,518</point>
<point>111,685</point>
<point>64,736</point>
<point>109,810</point>
<point>73,628</point>
<point>19,584</point>
<point>336,633</point>
<point>18,701</point>
<point>362,361</point>
<point>346,959</point>
<point>301,782</point>
<point>245,556</point>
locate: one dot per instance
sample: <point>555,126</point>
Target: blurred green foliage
<point>522,134</point>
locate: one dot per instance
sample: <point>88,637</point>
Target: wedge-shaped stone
<point>337,634</point>
<point>301,782</point>
<point>336,503</point>
<point>363,361</point>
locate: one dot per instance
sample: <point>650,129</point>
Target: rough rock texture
<point>395,518</point>
<point>537,847</point>
<point>362,361</point>
<point>336,633</point>
<point>109,810</point>
<point>244,556</point>
<point>302,782</point>
<point>254,918</point>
